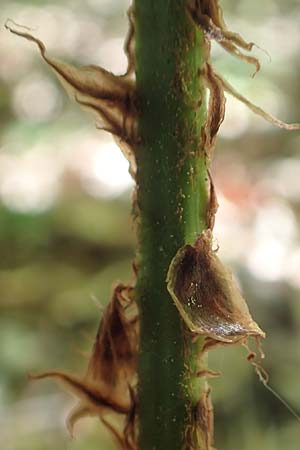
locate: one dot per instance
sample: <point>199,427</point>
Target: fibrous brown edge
<point>200,430</point>
<point>216,109</point>
<point>208,16</point>
<point>109,385</point>
<point>256,109</point>
<point>110,97</point>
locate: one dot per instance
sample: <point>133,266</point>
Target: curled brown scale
<point>206,295</point>
<point>110,97</point>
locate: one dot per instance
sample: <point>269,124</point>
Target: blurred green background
<point>66,234</point>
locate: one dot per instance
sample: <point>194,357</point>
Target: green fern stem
<point>172,203</point>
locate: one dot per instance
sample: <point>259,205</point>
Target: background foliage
<point>66,235</point>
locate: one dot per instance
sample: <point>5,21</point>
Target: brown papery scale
<point>109,97</point>
<point>108,387</point>
<point>206,295</point>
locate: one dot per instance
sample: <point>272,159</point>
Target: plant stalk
<point>172,208</point>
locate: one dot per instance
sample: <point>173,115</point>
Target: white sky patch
<point>291,268</point>
<point>286,173</point>
<point>275,232</point>
<point>236,119</point>
<point>28,182</point>
<point>228,225</point>
<point>111,55</point>
<point>275,220</point>
<point>33,180</point>
<point>107,174</point>
<point>266,260</point>
<point>36,98</point>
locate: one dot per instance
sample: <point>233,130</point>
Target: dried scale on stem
<point>147,375</point>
